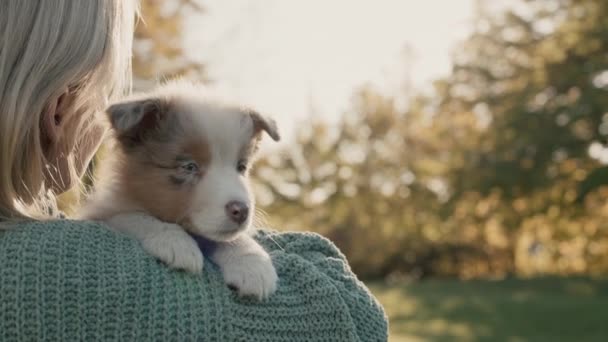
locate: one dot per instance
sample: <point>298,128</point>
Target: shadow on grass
<point>547,309</point>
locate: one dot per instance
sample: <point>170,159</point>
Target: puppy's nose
<point>237,211</point>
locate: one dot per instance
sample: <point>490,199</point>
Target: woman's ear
<point>52,119</point>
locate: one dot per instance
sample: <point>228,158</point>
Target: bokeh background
<point>454,150</point>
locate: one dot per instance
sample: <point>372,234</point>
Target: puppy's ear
<point>136,118</point>
<point>263,123</point>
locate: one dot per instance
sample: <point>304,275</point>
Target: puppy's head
<point>187,161</point>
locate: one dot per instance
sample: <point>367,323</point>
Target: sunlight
<point>289,58</point>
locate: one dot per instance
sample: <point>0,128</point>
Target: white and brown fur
<point>180,165</point>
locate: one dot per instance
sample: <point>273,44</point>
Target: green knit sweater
<point>69,281</point>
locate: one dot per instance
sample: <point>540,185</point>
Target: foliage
<point>158,52</point>
<point>498,173</point>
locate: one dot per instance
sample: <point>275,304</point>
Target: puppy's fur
<point>181,165</point>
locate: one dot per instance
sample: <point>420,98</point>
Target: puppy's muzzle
<point>237,211</point>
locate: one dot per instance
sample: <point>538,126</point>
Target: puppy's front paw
<point>251,275</point>
<point>175,248</point>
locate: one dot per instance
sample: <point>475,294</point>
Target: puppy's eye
<point>241,167</point>
<point>190,167</point>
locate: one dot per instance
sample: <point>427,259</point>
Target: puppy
<point>181,166</point>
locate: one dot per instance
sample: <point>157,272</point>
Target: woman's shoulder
<point>56,225</point>
<point>95,238</point>
<point>69,235</point>
<point>84,247</point>
<point>106,286</point>
<point>88,236</point>
<point>90,283</point>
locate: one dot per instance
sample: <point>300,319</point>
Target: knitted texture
<point>78,281</point>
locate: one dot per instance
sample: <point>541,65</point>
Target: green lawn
<point>548,309</point>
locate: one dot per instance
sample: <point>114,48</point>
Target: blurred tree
<point>374,184</point>
<point>538,77</point>
<point>158,52</point>
<point>483,177</point>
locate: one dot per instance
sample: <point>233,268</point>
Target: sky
<point>284,57</point>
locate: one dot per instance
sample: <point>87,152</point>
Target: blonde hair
<point>47,46</point>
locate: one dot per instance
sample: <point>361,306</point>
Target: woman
<point>61,63</point>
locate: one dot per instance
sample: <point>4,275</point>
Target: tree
<point>158,52</point>
<point>542,77</point>
<point>480,179</point>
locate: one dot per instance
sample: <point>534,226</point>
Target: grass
<point>547,309</point>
